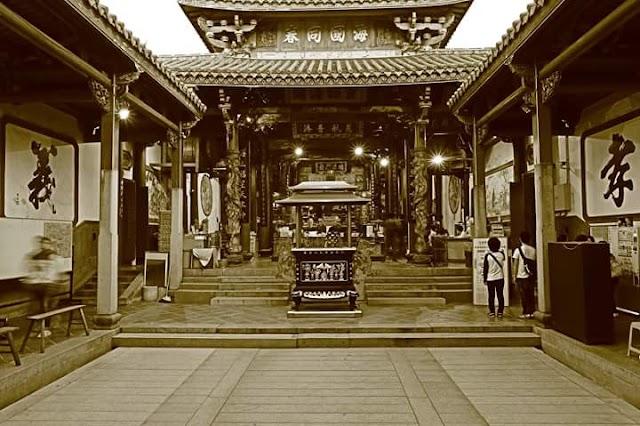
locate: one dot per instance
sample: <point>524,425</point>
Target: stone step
<point>416,286</point>
<point>230,272</point>
<point>341,340</point>
<point>419,279</point>
<point>411,270</point>
<point>403,293</point>
<point>234,286</point>
<point>193,297</point>
<point>505,325</point>
<point>269,301</point>
<point>406,300</point>
<point>251,293</point>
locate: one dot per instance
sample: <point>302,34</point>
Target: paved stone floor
<point>399,386</point>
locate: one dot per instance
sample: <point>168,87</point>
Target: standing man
<point>524,257</point>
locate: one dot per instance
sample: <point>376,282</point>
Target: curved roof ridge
<point>516,27</point>
<point>103,12</point>
<point>290,5</point>
<point>434,66</point>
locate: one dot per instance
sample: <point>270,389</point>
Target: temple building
<point>311,91</point>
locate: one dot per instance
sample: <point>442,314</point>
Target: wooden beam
<point>49,96</point>
<point>597,33</point>
<point>606,26</point>
<point>42,41</point>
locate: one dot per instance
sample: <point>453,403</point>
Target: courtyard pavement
<point>392,386</point>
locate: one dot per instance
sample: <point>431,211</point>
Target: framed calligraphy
<point>39,172</point>
<point>610,157</point>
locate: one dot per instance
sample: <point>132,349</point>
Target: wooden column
<point>107,316</point>
<point>479,189</point>
<point>177,206</point>
<point>544,197</point>
<point>142,203</point>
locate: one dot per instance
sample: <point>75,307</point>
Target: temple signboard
<point>611,164</point>
<point>302,35</point>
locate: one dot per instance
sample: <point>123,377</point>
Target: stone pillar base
<point>544,318</point>
<point>234,259</point>
<point>107,321</point>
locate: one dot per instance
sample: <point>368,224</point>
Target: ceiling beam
<point>50,46</point>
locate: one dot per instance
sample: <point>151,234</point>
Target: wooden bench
<point>631,349</point>
<point>6,339</point>
<point>46,315</point>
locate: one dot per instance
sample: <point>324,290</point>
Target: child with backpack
<point>524,269</point>
<point>493,274</point>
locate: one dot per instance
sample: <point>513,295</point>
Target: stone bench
<point>46,315</point>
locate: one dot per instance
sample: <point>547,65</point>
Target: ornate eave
<point>511,41</point>
<point>435,66</point>
<point>115,30</point>
<point>312,5</point>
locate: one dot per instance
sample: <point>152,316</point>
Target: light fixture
<point>358,151</point>
<point>384,162</point>
<point>437,160</point>
<point>298,151</point>
<point>123,113</point>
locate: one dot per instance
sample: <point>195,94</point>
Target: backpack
<point>529,264</point>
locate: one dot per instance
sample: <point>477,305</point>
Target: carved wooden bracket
<point>102,94</point>
<point>550,85</point>
<point>218,33</point>
<point>482,132</point>
<point>187,126</point>
<point>426,32</point>
<point>172,138</point>
<point>528,101</point>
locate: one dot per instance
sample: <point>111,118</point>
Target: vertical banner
<point>480,293</point>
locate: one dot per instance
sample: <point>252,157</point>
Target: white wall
<point>17,235</point>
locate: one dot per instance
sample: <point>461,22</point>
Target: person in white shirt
<point>493,274</point>
<point>525,280</point>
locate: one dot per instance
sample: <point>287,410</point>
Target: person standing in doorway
<point>493,274</point>
<point>523,276</point>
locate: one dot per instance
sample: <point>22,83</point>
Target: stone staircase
<point>243,285</point>
<point>390,284</point>
<point>323,336</point>
<point>401,284</point>
<point>88,293</point>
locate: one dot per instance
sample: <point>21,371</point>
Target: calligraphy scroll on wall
<point>40,173</point>
<point>611,165</point>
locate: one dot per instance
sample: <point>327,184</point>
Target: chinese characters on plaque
<point>314,35</point>
<point>310,130</point>
<point>615,168</point>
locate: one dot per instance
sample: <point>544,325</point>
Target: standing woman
<point>493,274</point>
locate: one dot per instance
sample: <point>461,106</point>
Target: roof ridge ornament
<point>218,33</point>
<point>424,33</point>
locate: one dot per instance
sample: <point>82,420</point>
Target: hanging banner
<point>480,292</point>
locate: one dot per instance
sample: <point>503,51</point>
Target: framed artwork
<point>39,173</point>
<point>610,159</point>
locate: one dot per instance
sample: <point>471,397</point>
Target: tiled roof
<point>533,9</point>
<point>438,65</point>
<point>137,45</point>
<point>292,5</point>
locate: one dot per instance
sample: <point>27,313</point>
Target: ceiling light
<point>384,162</point>
<point>298,151</point>
<point>358,151</point>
